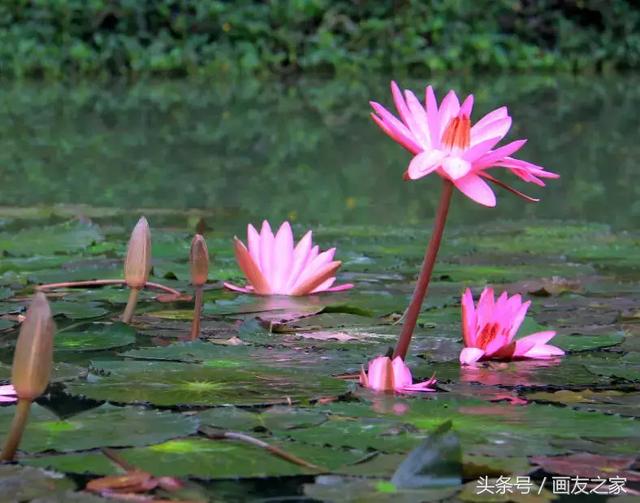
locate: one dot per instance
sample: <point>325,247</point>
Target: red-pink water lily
<point>8,394</point>
<point>443,140</point>
<point>489,330</point>
<point>385,374</point>
<point>273,266</point>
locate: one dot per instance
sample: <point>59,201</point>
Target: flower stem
<point>131,305</point>
<point>431,253</point>
<point>103,282</point>
<point>17,428</point>
<point>197,313</point>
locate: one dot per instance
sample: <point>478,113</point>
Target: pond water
<point>307,151</point>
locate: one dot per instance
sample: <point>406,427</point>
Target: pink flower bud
<point>138,262</point>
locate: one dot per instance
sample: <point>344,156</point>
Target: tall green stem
<point>17,428</point>
<point>422,285</point>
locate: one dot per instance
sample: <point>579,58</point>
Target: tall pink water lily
<point>385,374</point>
<point>489,330</point>
<point>443,141</point>
<point>8,394</point>
<point>273,266</point>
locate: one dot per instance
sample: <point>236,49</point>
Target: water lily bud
<point>33,357</point>
<point>199,260</point>
<point>138,262</point>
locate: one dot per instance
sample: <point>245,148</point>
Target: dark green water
<point>306,151</point>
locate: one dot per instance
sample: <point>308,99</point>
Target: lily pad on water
<point>19,483</point>
<point>78,311</point>
<point>586,342</point>
<point>168,383</point>
<point>61,238</point>
<point>96,337</point>
<point>204,458</point>
<point>274,419</point>
<point>100,427</point>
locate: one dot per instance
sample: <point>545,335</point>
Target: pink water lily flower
<point>443,140</point>
<point>8,394</point>
<point>489,330</point>
<point>385,374</point>
<point>273,266</point>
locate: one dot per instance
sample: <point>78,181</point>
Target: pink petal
<point>477,189</point>
<point>8,399</point>
<point>468,319</point>
<point>498,113</point>
<point>467,106</point>
<point>449,109</point>
<point>250,269</point>
<point>424,163</point>
<point>525,344</point>
<point>380,374</point>
<point>544,351</point>
<point>401,373</point>
<point>395,129</point>
<point>405,114</point>
<point>282,258</point>
<point>7,389</point>
<point>432,117</point>
<point>519,317</point>
<point>236,288</point>
<point>253,242</point>
<point>317,279</point>
<point>496,129</point>
<point>498,154</point>
<point>479,149</point>
<point>266,251</point>
<point>455,167</point>
<point>300,257</point>
<point>470,355</point>
<point>485,307</point>
<point>420,120</point>
<point>324,286</point>
<point>340,288</point>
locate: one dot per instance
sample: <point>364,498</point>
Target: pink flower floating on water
<point>489,330</point>
<point>8,394</point>
<point>443,140</point>
<point>385,374</point>
<point>274,267</point>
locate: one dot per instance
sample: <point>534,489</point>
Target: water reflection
<point>307,151</point>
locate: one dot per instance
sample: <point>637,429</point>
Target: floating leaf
<point>95,428</point>
<point>96,337</point>
<point>19,483</point>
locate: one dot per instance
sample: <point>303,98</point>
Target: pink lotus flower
<point>443,140</point>
<point>274,267</point>
<point>489,330</point>
<point>387,375</point>
<point>8,394</point>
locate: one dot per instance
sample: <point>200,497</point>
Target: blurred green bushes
<point>56,38</point>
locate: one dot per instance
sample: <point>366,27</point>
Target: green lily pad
<point>204,458</point>
<point>96,337</point>
<point>78,311</point>
<point>20,483</point>
<point>165,383</point>
<point>95,428</point>
<point>275,419</point>
<point>62,238</point>
<point>586,342</point>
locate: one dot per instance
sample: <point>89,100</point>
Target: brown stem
<point>431,253</point>
<point>232,435</point>
<point>131,305</point>
<point>101,282</point>
<point>197,313</point>
<point>117,459</point>
<point>17,428</point>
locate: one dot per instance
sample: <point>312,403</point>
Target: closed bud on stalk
<point>199,260</point>
<point>33,357</point>
<point>138,262</point>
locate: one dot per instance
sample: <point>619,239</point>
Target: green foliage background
<point>56,38</point>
